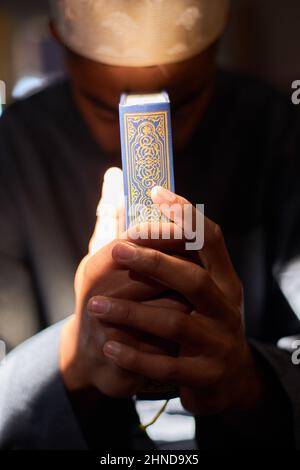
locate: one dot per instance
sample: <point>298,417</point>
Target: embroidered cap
<point>139,32</point>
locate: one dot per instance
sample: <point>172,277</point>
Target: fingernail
<point>100,305</point>
<point>112,348</point>
<point>124,252</point>
<point>160,195</point>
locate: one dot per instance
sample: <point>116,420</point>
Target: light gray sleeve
<point>35,412</point>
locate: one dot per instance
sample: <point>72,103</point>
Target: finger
<point>189,279</point>
<point>154,366</point>
<point>165,323</point>
<point>172,301</point>
<point>140,340</point>
<point>100,332</point>
<point>184,371</point>
<point>213,255</point>
<point>163,236</point>
<point>110,212</point>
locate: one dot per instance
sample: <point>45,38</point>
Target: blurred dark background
<point>263,39</point>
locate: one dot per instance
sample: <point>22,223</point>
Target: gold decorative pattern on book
<point>147,161</point>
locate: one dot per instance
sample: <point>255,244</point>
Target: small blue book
<point>147,153</point>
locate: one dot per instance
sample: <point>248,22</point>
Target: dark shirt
<point>242,162</point>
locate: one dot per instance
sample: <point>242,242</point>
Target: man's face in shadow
<point>97,88</point>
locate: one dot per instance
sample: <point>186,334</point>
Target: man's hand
<point>214,369</point>
<point>82,362</point>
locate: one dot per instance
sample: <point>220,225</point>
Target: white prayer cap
<point>139,32</point>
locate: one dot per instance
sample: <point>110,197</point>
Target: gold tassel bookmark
<point>144,427</point>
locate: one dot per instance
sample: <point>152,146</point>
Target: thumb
<point>110,221</point>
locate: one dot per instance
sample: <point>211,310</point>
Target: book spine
<point>147,158</point>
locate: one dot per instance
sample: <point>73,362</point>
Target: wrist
<point>73,374</point>
<point>247,388</point>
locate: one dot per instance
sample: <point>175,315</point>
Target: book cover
<point>147,153</point>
